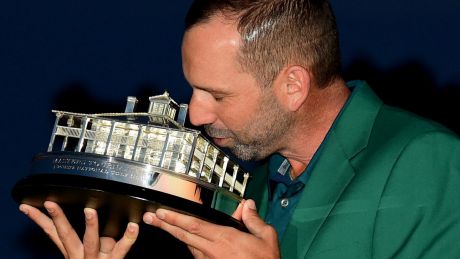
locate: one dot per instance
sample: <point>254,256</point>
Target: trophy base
<point>117,203</point>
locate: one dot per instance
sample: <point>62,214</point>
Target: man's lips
<point>219,140</point>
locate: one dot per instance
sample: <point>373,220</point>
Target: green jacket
<point>386,185</point>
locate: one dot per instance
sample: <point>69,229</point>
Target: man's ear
<point>294,84</point>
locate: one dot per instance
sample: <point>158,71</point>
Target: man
<point>347,176</point>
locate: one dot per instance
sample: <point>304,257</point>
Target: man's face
<point>235,111</point>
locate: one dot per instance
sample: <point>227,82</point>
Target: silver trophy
<point>131,162</point>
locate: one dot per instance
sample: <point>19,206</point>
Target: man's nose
<point>201,111</point>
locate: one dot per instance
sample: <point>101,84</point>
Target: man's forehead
<point>217,31</point>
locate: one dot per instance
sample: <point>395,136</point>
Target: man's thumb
<point>251,219</point>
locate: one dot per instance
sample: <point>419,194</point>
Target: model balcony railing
<point>163,142</point>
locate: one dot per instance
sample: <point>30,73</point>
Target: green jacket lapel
<point>326,184</point>
<point>333,171</point>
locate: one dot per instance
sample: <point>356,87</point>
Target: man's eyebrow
<point>209,89</point>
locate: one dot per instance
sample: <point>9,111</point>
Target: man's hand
<point>64,236</point>
<point>207,240</point>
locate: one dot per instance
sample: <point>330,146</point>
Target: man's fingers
<point>197,254</point>
<point>64,236</point>
<point>107,246</point>
<point>126,242</point>
<point>91,242</point>
<point>45,223</point>
<point>185,228</point>
<point>238,213</point>
<point>65,231</point>
<point>254,223</point>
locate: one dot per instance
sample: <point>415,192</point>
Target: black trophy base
<point>117,203</point>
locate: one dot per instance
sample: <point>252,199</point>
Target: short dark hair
<point>276,33</point>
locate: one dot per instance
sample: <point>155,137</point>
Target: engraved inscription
<point>101,169</point>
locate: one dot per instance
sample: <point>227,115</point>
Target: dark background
<point>87,56</point>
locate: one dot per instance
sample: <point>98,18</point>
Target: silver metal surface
<point>126,171</point>
<point>151,150</point>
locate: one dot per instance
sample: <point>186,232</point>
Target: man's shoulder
<point>397,125</point>
<point>412,149</point>
<point>388,119</point>
<point>405,146</point>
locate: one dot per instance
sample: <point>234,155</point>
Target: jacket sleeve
<point>419,211</point>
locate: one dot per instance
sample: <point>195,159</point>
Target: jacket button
<point>284,202</point>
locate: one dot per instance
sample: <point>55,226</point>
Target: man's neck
<point>313,123</point>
